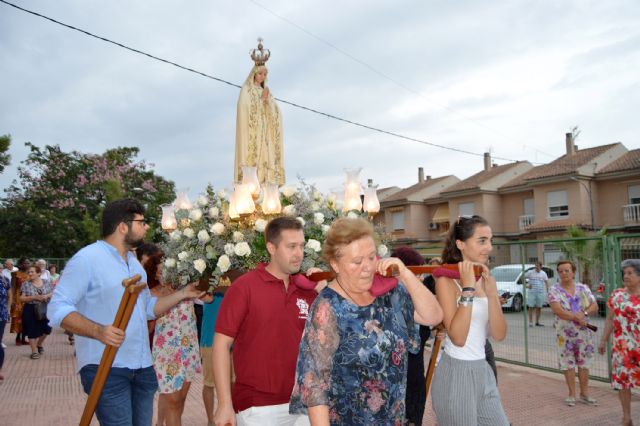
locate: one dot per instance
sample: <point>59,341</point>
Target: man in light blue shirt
<point>85,303</point>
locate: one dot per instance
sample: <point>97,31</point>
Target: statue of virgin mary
<point>259,125</point>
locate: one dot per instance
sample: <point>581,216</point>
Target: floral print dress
<point>176,357</point>
<point>575,343</point>
<point>354,359</point>
<point>626,339</point>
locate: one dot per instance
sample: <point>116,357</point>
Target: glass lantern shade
<point>371,203</point>
<point>250,178</point>
<point>182,201</point>
<point>243,201</point>
<point>233,214</point>
<point>168,221</point>
<point>352,183</point>
<point>271,199</point>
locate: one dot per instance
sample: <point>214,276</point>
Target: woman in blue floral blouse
<point>5,285</point>
<point>353,355</point>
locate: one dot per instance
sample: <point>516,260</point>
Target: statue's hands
<point>265,94</point>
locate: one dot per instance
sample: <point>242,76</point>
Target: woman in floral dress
<point>352,364</point>
<point>572,303</point>
<point>175,351</point>
<point>623,319</point>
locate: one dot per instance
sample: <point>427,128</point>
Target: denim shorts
<point>127,396</point>
<point>535,299</point>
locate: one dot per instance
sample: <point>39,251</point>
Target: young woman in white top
<point>464,387</point>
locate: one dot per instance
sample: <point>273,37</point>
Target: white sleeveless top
<point>478,331</point>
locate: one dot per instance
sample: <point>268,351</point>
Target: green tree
<point>5,158</point>
<point>587,254</point>
<point>55,206</point>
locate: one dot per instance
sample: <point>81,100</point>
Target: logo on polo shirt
<point>303,306</point>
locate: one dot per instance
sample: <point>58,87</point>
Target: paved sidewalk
<point>48,392</point>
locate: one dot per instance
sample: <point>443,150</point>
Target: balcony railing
<point>631,213</point>
<point>525,220</point>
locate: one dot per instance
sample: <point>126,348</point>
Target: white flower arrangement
<point>208,244</point>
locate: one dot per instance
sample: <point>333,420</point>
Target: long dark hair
<point>462,230</point>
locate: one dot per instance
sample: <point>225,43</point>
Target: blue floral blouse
<point>5,285</point>
<point>354,359</point>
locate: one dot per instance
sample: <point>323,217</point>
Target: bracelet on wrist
<point>472,289</point>
<point>466,301</point>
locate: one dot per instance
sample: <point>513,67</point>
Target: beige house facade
<point>588,188</point>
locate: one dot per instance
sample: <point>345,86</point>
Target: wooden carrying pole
<point>435,349</point>
<point>393,271</point>
<point>127,303</point>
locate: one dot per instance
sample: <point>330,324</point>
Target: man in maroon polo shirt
<point>262,316</point>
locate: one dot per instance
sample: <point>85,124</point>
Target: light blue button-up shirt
<point>91,284</point>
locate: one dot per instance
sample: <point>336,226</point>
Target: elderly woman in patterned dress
<point>352,364</point>
<point>572,303</point>
<point>623,319</point>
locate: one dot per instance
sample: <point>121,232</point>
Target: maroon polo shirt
<point>266,322</point>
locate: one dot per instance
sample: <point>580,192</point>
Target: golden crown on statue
<point>260,55</point>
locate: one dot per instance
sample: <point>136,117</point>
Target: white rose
<point>338,204</point>
<point>238,236</point>
<point>260,225</point>
<point>183,255</point>
<point>203,237</point>
<point>317,195</point>
<point>210,252</point>
<point>314,245</point>
<point>200,265</point>
<point>224,263</point>
<point>170,262</point>
<point>175,235</point>
<point>195,214</point>
<point>229,249</point>
<point>352,215</point>
<point>318,218</point>
<point>315,206</point>
<point>383,250</point>
<point>242,249</point>
<point>217,228</point>
<point>288,190</point>
<point>214,212</point>
<point>189,233</point>
<point>222,194</point>
<point>301,220</point>
<point>289,210</point>
<point>325,229</point>
<point>202,201</point>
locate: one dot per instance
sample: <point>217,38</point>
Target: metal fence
<point>598,265</point>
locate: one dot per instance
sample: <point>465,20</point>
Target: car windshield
<point>506,274</point>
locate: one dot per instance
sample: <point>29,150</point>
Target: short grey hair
<point>10,261</point>
<point>42,262</point>
<point>631,263</point>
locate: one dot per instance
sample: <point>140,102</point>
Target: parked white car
<point>510,278</point>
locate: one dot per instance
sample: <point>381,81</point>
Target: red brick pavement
<point>48,392</point>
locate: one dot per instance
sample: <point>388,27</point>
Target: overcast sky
<point>511,77</point>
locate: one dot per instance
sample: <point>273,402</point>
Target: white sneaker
<point>4,346</point>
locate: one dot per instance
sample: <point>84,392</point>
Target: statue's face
<point>260,76</point>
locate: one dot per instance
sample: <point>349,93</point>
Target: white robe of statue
<point>259,131</point>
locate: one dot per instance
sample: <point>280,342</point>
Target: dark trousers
<point>2,324</point>
<point>198,310</point>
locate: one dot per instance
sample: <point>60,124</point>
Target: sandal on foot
<point>589,401</point>
<point>571,401</point>
<point>40,350</point>
<point>35,355</point>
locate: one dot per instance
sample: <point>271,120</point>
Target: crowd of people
<point>279,348</point>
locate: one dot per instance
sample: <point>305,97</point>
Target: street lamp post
<point>588,189</point>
